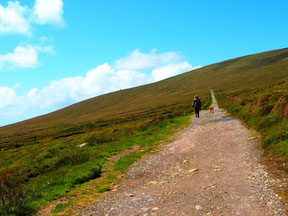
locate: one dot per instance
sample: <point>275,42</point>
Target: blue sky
<point>54,53</point>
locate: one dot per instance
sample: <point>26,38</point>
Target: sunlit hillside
<point>228,77</point>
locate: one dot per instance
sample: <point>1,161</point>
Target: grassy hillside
<point>266,110</point>
<point>43,153</point>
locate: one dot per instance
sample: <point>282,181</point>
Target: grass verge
<point>265,110</point>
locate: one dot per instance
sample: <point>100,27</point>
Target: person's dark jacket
<point>197,103</point>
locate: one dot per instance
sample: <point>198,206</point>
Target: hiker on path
<point>197,105</point>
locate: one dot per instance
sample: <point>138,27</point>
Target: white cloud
<point>45,49</point>
<point>48,11</point>
<point>13,19</point>
<point>126,79</point>
<point>163,65</point>
<point>60,93</point>
<point>17,19</point>
<point>23,56</point>
<point>17,85</point>
<point>32,93</point>
<point>138,60</point>
<point>99,80</point>
<point>171,70</point>
<point>8,97</point>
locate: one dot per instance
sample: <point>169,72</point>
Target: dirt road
<point>211,168</point>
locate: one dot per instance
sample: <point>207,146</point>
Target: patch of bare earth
<point>212,168</point>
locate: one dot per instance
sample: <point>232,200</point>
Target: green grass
<point>104,189</point>
<point>111,176</point>
<point>61,206</point>
<point>208,102</point>
<point>124,162</point>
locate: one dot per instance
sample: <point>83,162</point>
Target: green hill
<point>43,153</point>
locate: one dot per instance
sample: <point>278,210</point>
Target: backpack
<point>197,103</point>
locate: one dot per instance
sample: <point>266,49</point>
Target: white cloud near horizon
<point>138,60</point>
<point>23,56</point>
<point>126,72</point>
<point>171,70</point>
<point>17,19</point>
<point>100,80</point>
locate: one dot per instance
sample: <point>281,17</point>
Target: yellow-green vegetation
<point>124,162</point>
<point>61,206</point>
<point>43,157</point>
<point>104,189</point>
<point>266,110</point>
<point>54,170</point>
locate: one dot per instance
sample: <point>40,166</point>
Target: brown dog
<point>211,109</point>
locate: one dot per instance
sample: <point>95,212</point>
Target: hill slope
<point>43,153</point>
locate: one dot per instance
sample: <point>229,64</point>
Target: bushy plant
<point>83,173</point>
<point>14,199</point>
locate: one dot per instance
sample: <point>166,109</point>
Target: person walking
<point>197,105</point>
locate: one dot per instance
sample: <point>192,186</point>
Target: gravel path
<point>211,168</point>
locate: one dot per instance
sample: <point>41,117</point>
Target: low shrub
<point>99,139</point>
<point>14,199</point>
<point>72,158</point>
<point>83,173</point>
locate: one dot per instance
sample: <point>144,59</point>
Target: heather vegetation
<point>265,110</point>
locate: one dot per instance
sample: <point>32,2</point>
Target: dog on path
<point>211,109</point>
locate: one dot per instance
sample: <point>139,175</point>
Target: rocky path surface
<point>211,168</point>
